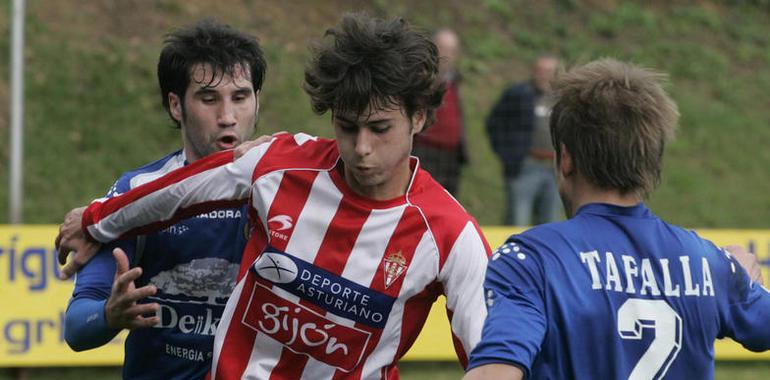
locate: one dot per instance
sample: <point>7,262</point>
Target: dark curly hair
<point>376,64</point>
<point>207,42</point>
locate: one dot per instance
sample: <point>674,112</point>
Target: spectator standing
<point>442,149</point>
<point>518,131</point>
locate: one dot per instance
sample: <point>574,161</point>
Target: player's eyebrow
<point>204,91</point>
<point>381,120</point>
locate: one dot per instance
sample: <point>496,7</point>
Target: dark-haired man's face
<point>375,149</point>
<point>218,112</point>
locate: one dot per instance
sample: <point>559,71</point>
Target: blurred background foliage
<point>93,109</point>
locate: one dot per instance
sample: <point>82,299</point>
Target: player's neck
<point>584,193</point>
<point>395,185</point>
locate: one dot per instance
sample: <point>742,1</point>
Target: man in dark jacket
<point>519,134</point>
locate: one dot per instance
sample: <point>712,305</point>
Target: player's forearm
<point>495,371</point>
<point>85,326</point>
<point>208,184</point>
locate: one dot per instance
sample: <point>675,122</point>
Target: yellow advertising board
<point>33,302</point>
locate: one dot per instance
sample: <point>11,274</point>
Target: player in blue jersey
<point>210,76</point>
<point>614,292</point>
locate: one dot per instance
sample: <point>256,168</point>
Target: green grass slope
<point>93,110</point>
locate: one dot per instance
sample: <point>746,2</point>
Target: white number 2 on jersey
<point>634,316</point>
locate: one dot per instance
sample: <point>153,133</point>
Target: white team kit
<point>332,284</point>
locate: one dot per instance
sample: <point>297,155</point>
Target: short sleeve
<point>516,321</point>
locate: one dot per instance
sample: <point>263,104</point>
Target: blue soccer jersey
<point>616,293</point>
<point>193,264</point>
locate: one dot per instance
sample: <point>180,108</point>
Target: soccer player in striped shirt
<point>352,241</point>
<point>614,292</point>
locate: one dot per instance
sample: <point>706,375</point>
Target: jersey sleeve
<point>462,277</point>
<point>516,324</point>
<point>213,182</point>
<point>85,325</point>
<point>748,309</point>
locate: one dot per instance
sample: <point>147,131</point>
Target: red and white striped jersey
<point>332,284</point>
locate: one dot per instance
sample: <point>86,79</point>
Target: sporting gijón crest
<point>395,266</point>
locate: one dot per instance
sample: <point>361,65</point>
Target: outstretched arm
<point>210,183</point>
<point>92,321</point>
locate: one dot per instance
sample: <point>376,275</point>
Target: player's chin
<point>369,179</point>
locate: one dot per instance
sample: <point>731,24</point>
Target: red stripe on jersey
<point>239,340</point>
<point>416,311</point>
<point>398,254</point>
<point>284,152</point>
<point>290,365</point>
<point>100,210</point>
<point>341,236</point>
<point>287,205</point>
<point>390,372</point>
<point>391,272</point>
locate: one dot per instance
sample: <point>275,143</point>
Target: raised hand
<point>122,310</point>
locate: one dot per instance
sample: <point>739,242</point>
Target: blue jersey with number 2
<point>616,293</point>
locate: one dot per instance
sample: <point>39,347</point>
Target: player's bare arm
<point>71,238</point>
<point>495,371</point>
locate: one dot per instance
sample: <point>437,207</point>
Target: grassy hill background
<point>93,111</point>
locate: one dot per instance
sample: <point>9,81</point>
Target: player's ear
<point>175,106</point>
<point>418,121</point>
<point>256,98</point>
<point>566,166</point>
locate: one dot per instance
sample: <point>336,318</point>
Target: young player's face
<point>215,114</point>
<point>375,149</point>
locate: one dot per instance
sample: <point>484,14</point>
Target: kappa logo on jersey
<point>276,268</point>
<point>333,293</point>
<point>279,223</point>
<point>395,266</point>
<point>304,331</point>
